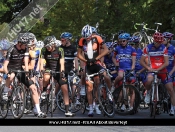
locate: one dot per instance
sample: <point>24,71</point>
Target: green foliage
<point>112,15</point>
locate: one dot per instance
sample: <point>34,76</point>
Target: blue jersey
<point>138,56</point>
<point>37,53</point>
<point>124,55</point>
<point>171,56</point>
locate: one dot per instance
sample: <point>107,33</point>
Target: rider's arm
<point>173,70</point>
<point>61,59</point>
<point>6,62</point>
<point>42,59</point>
<point>32,62</point>
<point>105,51</point>
<point>26,60</point>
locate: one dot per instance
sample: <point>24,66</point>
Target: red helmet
<point>158,37</point>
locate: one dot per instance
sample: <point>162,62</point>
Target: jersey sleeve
<point>165,52</point>
<point>80,43</point>
<point>133,53</point>
<point>100,40</point>
<point>145,52</point>
<point>26,54</point>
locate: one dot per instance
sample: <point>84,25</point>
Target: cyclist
<point>91,45</point>
<point>70,53</point>
<point>54,57</point>
<point>14,60</point>
<point>126,57</point>
<point>171,54</point>
<point>158,61</point>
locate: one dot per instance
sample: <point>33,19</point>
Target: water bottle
<point>89,50</point>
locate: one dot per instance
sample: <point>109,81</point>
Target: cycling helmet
<point>86,31</point>
<point>158,37</point>
<point>39,44</point>
<point>66,35</point>
<point>94,30</point>
<point>134,39</point>
<point>58,43</point>
<point>108,45</point>
<point>168,35</point>
<point>124,36</point>
<point>49,41</point>
<point>23,39</point>
<point>4,44</point>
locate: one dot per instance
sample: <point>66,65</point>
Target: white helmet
<point>58,43</point>
<point>40,44</point>
<point>86,31</point>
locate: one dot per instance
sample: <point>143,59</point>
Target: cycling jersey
<point>92,48</point>
<point>70,53</point>
<point>109,64</point>
<point>52,58</point>
<point>171,55</point>
<point>15,57</point>
<point>155,55</point>
<point>124,56</point>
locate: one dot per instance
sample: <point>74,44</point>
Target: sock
<point>37,108</point>
<point>91,107</point>
<point>66,108</point>
<point>172,107</point>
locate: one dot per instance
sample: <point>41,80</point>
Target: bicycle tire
<point>106,105</point>
<point>118,105</point>
<point>28,100</point>
<point>17,102</point>
<point>4,105</point>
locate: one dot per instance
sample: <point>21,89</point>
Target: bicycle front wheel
<point>18,102</point>
<point>126,107</point>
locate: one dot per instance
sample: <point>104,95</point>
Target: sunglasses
<point>63,40</point>
<point>123,41</point>
<point>31,46</point>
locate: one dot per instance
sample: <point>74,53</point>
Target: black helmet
<point>49,40</point>
<point>23,38</point>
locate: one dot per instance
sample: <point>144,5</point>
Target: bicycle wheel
<point>106,104</point>
<point>122,107</point>
<point>60,101</point>
<point>28,102</point>
<point>18,102</point>
<point>44,105</point>
<point>4,105</point>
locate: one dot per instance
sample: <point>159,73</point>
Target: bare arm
<point>6,62</point>
<point>102,54</point>
<point>173,70</point>
<point>80,56</point>
<point>133,62</point>
<point>62,64</point>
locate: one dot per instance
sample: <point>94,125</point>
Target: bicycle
<point>144,38</point>
<point>126,94</point>
<point>105,98</point>
<point>157,95</point>
<point>73,80</point>
<point>16,100</point>
<point>48,96</point>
